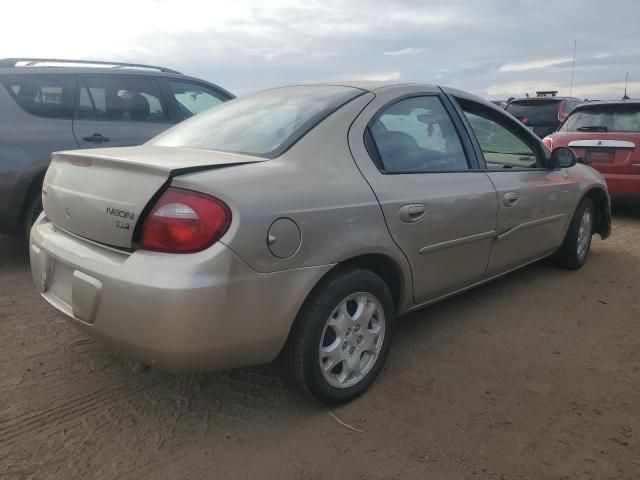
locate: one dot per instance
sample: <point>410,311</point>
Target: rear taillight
<point>183,221</point>
<point>548,141</point>
<point>562,114</point>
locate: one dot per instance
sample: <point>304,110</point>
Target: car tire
<point>32,209</point>
<point>331,354</point>
<point>577,242</point>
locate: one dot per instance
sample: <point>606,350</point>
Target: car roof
<point>89,70</point>
<point>543,99</point>
<point>374,86</point>
<point>108,71</point>
<point>367,85</point>
<point>601,103</point>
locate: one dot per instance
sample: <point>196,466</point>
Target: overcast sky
<point>494,48</point>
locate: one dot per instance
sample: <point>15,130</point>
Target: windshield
<point>263,124</point>
<point>604,118</point>
<point>535,110</point>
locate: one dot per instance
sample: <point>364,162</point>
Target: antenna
<point>573,65</point>
<point>626,81</point>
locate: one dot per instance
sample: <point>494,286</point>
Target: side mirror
<point>563,157</point>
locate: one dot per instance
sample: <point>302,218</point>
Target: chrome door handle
<point>510,199</point>
<point>413,212</point>
<point>96,138</point>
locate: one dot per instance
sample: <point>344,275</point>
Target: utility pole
<point>573,65</point>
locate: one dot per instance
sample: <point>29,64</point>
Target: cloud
<point>247,45</point>
<point>404,51</point>
<point>376,77</point>
<point>532,65</point>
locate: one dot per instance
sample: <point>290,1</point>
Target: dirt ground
<point>534,376</point>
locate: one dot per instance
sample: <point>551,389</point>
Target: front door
<point>439,211</point>
<point>118,111</point>
<point>533,199</point>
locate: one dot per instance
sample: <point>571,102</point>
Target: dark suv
<point>543,113</point>
<point>49,105</point>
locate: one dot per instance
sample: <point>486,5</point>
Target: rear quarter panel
<point>317,185</point>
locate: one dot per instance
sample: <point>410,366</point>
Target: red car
<point>606,134</point>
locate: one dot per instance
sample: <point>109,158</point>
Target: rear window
<point>535,110</point>
<point>264,124</point>
<point>50,96</point>
<point>605,118</point>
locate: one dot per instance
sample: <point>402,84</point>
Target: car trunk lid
<point>608,152</point>
<point>101,194</point>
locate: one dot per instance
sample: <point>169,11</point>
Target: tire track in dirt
<point>14,427</point>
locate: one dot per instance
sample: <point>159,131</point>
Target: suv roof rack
<point>546,93</point>
<point>58,62</point>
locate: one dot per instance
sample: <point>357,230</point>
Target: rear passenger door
<point>36,112</point>
<point>118,110</point>
<point>440,210</point>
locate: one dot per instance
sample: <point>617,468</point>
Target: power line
<point>573,66</point>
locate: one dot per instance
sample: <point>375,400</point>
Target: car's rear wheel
<point>577,242</point>
<point>341,336</point>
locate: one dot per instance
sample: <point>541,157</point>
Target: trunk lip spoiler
<point>72,156</point>
<point>602,143</point>
<point>130,157</point>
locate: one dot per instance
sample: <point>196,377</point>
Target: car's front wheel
<point>341,336</point>
<point>577,242</point>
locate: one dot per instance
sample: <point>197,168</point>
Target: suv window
<point>534,111</point>
<point>50,96</point>
<point>192,98</point>
<point>416,135</point>
<point>120,98</point>
<point>503,147</point>
<point>604,118</point>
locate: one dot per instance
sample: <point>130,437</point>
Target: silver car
<point>303,221</point>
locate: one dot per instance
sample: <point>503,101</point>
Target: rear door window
<point>192,98</point>
<point>120,98</point>
<point>49,96</point>
<point>416,135</point>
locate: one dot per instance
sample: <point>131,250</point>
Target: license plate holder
<point>61,283</point>
<point>600,155</point>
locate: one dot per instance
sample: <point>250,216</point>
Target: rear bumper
<point>623,185</point>
<point>193,312</point>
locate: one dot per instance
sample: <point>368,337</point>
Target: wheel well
<point>382,266</point>
<point>600,203</point>
<point>34,187</point>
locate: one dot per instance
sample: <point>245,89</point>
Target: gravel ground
<point>534,376</point>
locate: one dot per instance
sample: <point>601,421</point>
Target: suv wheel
<point>342,336</point>
<point>32,209</point>
<point>577,242</point>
